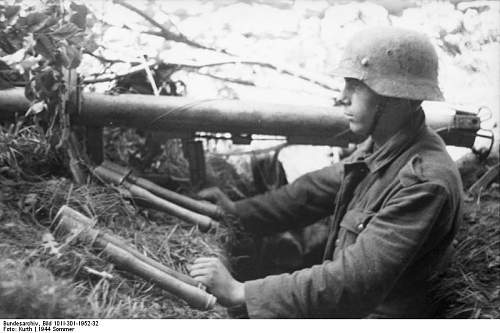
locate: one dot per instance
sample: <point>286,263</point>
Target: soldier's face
<point>359,104</point>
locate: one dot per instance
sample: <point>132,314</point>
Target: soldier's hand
<point>214,275</point>
<point>216,196</point>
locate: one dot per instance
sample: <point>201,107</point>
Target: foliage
<point>51,38</point>
<point>45,41</point>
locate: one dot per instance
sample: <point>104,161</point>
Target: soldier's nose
<point>343,101</point>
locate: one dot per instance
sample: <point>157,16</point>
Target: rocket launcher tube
<point>204,208</point>
<point>204,222</point>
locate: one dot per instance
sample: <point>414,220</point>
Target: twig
<point>103,274</point>
<point>485,180</point>
<point>245,62</point>
<point>104,79</point>
<point>230,80</point>
<point>149,75</point>
<point>262,64</point>
<point>103,59</point>
<point>164,31</point>
<point>278,147</point>
<point>115,77</point>
<point>221,63</point>
<point>179,37</point>
<point>111,77</point>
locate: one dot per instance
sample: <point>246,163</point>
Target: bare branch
<point>108,78</point>
<point>165,33</point>
<point>112,77</point>
<point>275,148</point>
<point>229,62</point>
<point>266,65</point>
<point>103,59</point>
<point>149,76</point>
<point>101,79</point>
<point>230,80</point>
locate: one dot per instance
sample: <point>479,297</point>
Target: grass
<point>43,278</point>
<point>104,291</point>
<point>34,292</point>
<point>471,286</point>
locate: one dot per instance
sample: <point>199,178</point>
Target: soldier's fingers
<point>204,260</point>
<point>198,272</point>
<point>200,266</point>
<point>210,194</point>
<point>203,280</point>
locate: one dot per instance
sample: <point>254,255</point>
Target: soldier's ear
<point>382,102</point>
<point>416,104</point>
<point>413,104</point>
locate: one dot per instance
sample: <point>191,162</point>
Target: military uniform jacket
<point>393,216</point>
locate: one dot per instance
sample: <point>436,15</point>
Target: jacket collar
<point>397,144</point>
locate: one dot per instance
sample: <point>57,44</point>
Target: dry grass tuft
<point>34,292</point>
<point>471,287</point>
<point>25,151</point>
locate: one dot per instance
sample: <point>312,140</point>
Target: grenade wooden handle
<point>70,222</point>
<point>194,296</point>
<point>201,207</point>
<point>204,222</point>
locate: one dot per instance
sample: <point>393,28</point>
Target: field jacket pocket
<point>352,224</point>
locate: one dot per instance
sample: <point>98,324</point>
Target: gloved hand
<point>212,273</point>
<point>216,196</point>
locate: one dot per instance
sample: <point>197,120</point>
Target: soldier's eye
<point>352,84</point>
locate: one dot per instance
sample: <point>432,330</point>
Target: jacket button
<point>361,226</point>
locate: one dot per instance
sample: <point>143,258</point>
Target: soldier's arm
<point>362,275</point>
<point>306,200</point>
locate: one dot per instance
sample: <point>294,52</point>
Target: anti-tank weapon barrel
<point>181,116</point>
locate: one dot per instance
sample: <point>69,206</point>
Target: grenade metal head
<point>68,223</point>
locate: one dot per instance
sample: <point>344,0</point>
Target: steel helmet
<point>393,62</point>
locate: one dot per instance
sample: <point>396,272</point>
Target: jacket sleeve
<point>306,200</point>
<point>362,275</point>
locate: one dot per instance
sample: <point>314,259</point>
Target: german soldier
<point>394,204</point>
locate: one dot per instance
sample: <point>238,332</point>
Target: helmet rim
<point>408,88</point>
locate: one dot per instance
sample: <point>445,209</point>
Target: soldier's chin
<point>358,133</point>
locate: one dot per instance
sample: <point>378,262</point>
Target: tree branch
<point>275,148</point>
<point>221,63</point>
<point>266,65</point>
<point>112,77</point>
<point>230,80</point>
<point>103,59</point>
<point>108,78</point>
<point>165,33</point>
